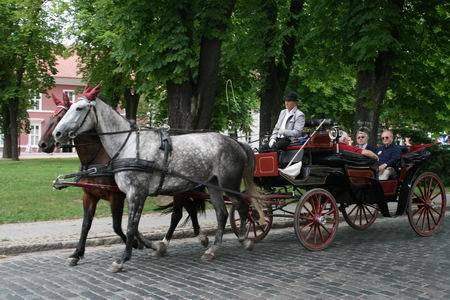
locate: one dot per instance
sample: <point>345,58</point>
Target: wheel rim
<point>255,231</point>
<point>316,219</point>
<point>360,216</point>
<point>426,204</point>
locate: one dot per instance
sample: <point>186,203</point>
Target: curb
<point>157,234</point>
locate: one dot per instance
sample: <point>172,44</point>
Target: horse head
<point>79,118</point>
<point>47,142</point>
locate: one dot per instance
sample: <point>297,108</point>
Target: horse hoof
<point>72,261</point>
<point>248,244</point>
<point>161,249</point>
<point>204,241</point>
<point>116,268</point>
<point>208,256</point>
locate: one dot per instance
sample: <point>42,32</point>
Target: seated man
<point>362,139</point>
<point>344,146</point>
<point>389,154</point>
<point>289,126</point>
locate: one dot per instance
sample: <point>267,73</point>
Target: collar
<point>292,112</point>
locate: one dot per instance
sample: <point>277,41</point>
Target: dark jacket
<point>388,155</point>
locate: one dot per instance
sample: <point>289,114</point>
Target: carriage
<point>331,181</point>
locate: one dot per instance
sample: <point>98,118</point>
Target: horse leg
<point>117,203</point>
<point>233,182</point>
<point>222,216</point>
<point>135,206</point>
<point>175,218</point>
<point>89,206</point>
<point>192,209</point>
<point>242,207</point>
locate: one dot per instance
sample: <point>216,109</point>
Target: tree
<point>28,55</point>
<point>280,50</point>
<point>172,43</point>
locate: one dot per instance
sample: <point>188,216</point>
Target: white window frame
<point>38,99</point>
<point>2,138</point>
<point>73,97</point>
<point>31,135</point>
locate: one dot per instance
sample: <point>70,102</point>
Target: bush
<point>439,162</point>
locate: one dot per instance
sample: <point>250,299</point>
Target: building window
<point>2,137</point>
<point>35,134</point>
<point>70,94</point>
<point>36,101</point>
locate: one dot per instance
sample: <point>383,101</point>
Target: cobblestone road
<point>386,261</point>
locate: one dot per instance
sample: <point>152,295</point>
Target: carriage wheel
<point>426,204</point>
<point>255,231</point>
<point>316,219</point>
<point>360,216</point>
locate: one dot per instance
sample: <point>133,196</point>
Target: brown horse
<point>91,152</point>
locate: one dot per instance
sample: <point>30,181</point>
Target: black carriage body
<point>350,178</point>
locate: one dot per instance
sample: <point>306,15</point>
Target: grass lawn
<point>26,192</point>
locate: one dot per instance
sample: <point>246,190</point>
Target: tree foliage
<point>31,37</point>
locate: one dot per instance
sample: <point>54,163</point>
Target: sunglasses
<point>361,137</point>
<point>385,137</point>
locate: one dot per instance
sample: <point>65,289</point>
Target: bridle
<point>91,106</point>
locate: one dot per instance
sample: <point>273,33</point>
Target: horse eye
<point>79,108</point>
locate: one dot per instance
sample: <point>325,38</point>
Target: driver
<point>289,126</point>
<point>343,145</point>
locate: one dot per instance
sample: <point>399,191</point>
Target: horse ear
<point>92,93</point>
<point>55,100</point>
<point>66,101</point>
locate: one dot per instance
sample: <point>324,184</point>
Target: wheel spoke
<point>365,214</point>
<point>309,212</point>
<point>438,194</point>
<point>368,210</point>
<point>438,213</point>
<point>315,234</point>
<point>418,197</point>
<point>320,234</point>
<point>353,209</point>
<point>419,210</point>
<point>428,219</point>
<point>432,217</point>
<point>321,225</point>
<point>431,190</point>
<point>422,197</point>
<point>309,224</point>
<point>322,207</point>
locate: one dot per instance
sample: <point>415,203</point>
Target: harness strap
<point>166,145</point>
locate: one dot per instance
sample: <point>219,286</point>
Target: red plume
<point>91,93</point>
<point>66,101</point>
<point>56,100</point>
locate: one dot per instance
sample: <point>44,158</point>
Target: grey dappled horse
<point>211,158</point>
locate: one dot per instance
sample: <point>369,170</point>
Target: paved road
<point>387,261</point>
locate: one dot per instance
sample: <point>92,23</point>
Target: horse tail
<point>250,186</point>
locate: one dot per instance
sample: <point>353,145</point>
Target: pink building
<point>67,81</point>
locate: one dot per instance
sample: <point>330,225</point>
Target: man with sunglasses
<point>388,155</point>
<point>362,141</point>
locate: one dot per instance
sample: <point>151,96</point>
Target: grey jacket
<point>294,125</point>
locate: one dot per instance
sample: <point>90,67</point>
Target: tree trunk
<point>182,106</point>
<point>372,85</point>
<point>13,125</point>
<point>276,75</point>
<point>131,104</point>
<point>207,81</point>
<point>190,104</point>
<point>6,132</point>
